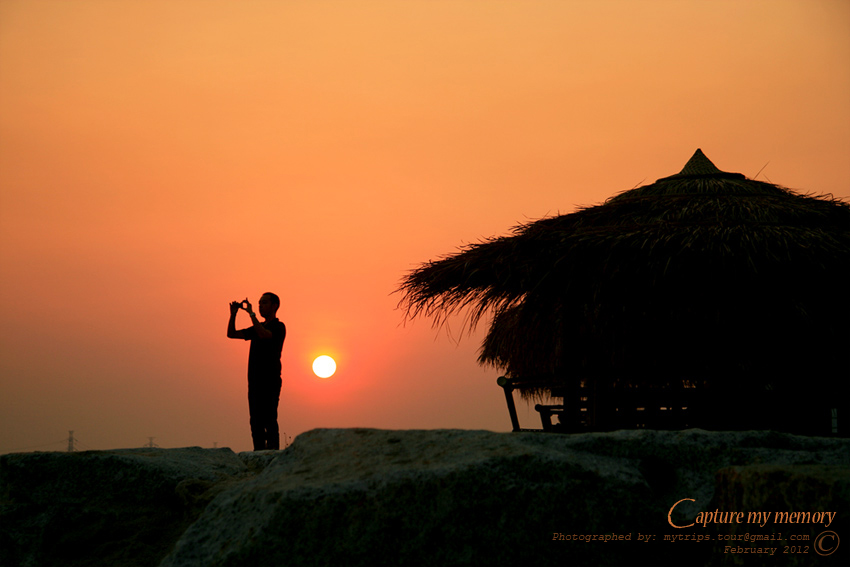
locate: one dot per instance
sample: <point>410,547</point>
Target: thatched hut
<point>704,299</point>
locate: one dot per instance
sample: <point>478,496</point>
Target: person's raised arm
<point>232,333</point>
<point>262,332</point>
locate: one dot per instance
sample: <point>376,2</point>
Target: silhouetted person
<point>263,367</point>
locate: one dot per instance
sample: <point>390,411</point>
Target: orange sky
<point>160,159</point>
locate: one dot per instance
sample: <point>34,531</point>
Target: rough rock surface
<point>123,507</point>
<point>437,497</point>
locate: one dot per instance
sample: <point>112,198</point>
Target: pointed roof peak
<point>699,165</point>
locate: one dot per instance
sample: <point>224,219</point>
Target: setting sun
<point>324,366</point>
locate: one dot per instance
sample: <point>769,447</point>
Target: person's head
<point>269,304</point>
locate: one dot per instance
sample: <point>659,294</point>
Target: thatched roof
<point>700,274</point>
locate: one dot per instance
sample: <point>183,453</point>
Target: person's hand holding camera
<point>246,305</point>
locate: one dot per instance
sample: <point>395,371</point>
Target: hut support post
<point>508,387</point>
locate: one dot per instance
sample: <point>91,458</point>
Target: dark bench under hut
<point>686,405</point>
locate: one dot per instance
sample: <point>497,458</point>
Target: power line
<point>71,445</point>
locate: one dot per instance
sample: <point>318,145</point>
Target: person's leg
<point>272,430</point>
<point>255,410</point>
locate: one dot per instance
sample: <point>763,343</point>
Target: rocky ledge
<point>437,497</point>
